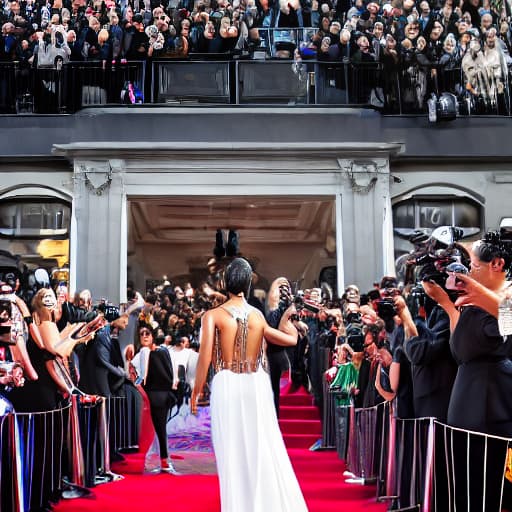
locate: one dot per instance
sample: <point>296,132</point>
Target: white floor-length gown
<point>255,472</point>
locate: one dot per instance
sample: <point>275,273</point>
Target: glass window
<point>428,213</point>
<point>32,218</point>
<point>34,233</point>
<point>403,215</point>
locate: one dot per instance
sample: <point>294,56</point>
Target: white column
<point>340,268</point>
<point>388,252</point>
<point>123,253</point>
<point>101,230</point>
<point>73,243</point>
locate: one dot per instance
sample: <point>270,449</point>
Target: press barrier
<point>425,465</point>
<point>328,406</point>
<point>32,464</point>
<point>47,454</point>
<point>365,443</point>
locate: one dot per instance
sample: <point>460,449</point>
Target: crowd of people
<point>426,346</point>
<point>422,46</point>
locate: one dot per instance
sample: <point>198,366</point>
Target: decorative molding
<point>363,175</point>
<point>97,176</point>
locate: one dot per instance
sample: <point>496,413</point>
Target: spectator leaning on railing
<point>421,46</point>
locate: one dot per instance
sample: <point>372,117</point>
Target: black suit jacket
<point>97,370</point>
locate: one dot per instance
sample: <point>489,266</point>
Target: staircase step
<point>300,440</point>
<point>300,426</point>
<point>296,412</point>
<point>296,399</point>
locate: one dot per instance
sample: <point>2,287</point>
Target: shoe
<point>167,467</point>
<point>359,481</point>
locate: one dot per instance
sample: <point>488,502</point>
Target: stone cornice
<point>157,150</point>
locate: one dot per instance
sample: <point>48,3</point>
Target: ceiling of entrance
<point>195,220</point>
<point>281,233</point>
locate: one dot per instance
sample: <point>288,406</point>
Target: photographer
<point>485,370</point>
<point>427,347</point>
<point>279,301</point>
<point>386,310</point>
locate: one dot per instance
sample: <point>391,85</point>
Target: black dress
<point>158,386</point>
<point>481,401</point>
<point>481,398</point>
<point>41,394</point>
<point>433,367</point>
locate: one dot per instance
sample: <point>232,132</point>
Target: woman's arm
<point>394,374</point>
<point>286,334</point>
<point>205,357</point>
<point>436,293</point>
<point>477,294</point>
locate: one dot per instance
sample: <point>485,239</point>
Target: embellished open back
<point>240,363</point>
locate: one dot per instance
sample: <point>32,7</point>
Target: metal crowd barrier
<point>366,440</point>
<point>329,425</point>
<point>424,465</point>
<point>46,454</point>
<point>31,446</point>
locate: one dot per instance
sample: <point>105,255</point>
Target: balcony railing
<point>79,85</point>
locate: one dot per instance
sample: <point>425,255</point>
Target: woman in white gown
<point>254,470</point>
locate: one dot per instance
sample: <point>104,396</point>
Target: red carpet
<point>319,474</point>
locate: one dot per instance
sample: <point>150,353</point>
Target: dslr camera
<point>385,305</point>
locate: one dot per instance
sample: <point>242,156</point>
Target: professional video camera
<point>431,259</point>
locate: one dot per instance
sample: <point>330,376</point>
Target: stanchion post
<point>76,454</point>
<point>429,467</point>
<point>391,466</point>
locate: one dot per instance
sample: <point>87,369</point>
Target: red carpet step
<point>297,412</point>
<point>299,420</point>
<point>296,399</point>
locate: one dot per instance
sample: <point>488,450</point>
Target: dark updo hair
<point>492,246</point>
<point>237,276</point>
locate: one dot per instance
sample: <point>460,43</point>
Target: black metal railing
<point>79,85</point>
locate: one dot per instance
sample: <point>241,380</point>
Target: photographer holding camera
<point>279,301</point>
<point>483,355</point>
<point>427,347</point>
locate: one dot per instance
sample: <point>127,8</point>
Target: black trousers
<point>160,403</point>
<point>277,363</point>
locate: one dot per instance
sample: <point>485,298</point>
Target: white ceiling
<point>282,235</point>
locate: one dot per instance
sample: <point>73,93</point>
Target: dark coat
<point>97,371</point>
<point>433,367</point>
